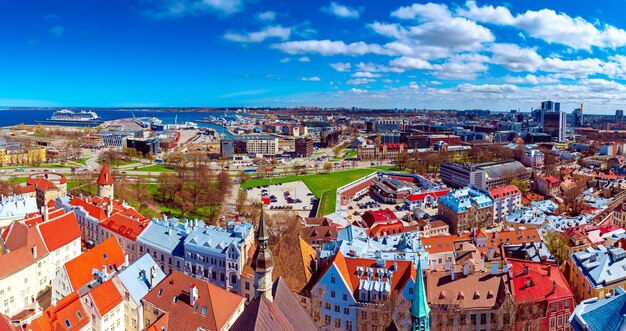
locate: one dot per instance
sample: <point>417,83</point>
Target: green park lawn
<point>156,168</point>
<point>323,186</point>
<point>82,161</point>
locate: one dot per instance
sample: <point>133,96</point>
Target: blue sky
<point>461,54</point>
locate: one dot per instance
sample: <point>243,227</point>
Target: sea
<point>9,117</point>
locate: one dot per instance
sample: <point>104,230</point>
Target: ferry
<point>72,117</point>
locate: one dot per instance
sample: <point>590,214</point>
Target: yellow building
<point>22,156</point>
<point>596,272</point>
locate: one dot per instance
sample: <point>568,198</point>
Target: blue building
<point>218,255</point>
<point>134,282</point>
<point>601,315</point>
<point>164,241</point>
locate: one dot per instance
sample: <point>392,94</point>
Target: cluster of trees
<point>125,154</point>
<point>193,188</point>
<point>7,187</point>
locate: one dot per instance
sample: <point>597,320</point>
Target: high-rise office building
<point>554,124</point>
<point>577,117</point>
<point>551,106</point>
<point>619,117</point>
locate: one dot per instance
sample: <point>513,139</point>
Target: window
<point>337,308</point>
<point>410,290</point>
<point>326,320</point>
<point>328,306</point>
<point>175,299</point>
<point>483,319</point>
<point>68,324</point>
<point>473,319</point>
<point>337,323</point>
<point>332,294</point>
<point>247,285</point>
<point>363,314</point>
<point>346,311</point>
<point>78,314</point>
<point>332,279</point>
<point>345,297</point>
<point>195,308</point>
<point>160,292</point>
<point>551,322</point>
<point>204,310</point>
<point>560,320</point>
<point>566,304</point>
<point>553,307</point>
<point>349,325</point>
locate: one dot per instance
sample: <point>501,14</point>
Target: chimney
<point>34,250</point>
<point>494,268</point>
<point>549,271</point>
<point>452,273</point>
<point>193,294</point>
<point>110,208</point>
<point>529,283</point>
<point>466,269</point>
<point>126,260</point>
<point>525,270</point>
<point>44,213</point>
<point>53,301</point>
<point>104,272</point>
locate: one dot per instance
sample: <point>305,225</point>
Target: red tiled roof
<point>387,229</point>
<point>91,209</point>
<point>106,297</point>
<point>513,237</point>
<point>376,216</point>
<point>105,177</point>
<point>551,180</point>
<point>504,191</point>
<point>422,196</point>
<point>441,244</point>
<point>124,226</point>
<point>54,317</point>
<point>356,188</point>
<point>79,270</point>
<point>220,304</point>
<point>542,286</point>
<point>348,269</point>
<point>60,231</point>
<point>20,240</point>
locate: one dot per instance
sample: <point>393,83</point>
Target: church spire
<point>420,312</point>
<point>262,262</point>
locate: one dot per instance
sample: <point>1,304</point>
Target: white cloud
<point>531,79</point>
<point>341,67</point>
<point>57,31</point>
<point>358,91</point>
<point>311,79</point>
<point>328,47</point>
<point>365,74</point>
<point>413,86</point>
<point>339,10</point>
<point>266,16</point>
<point>462,66</point>
<point>373,67</point>
<point>304,59</point>
<point>163,9</point>
<point>550,26</point>
<point>410,63</point>
<point>514,58</point>
<point>360,81</point>
<point>285,60</point>
<point>487,88</point>
<point>276,31</point>
<point>430,11</point>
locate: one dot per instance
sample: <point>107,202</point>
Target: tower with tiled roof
<point>262,262</point>
<point>105,183</point>
<point>420,312</point>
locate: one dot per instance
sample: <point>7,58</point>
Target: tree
<point>224,181</point>
<point>281,224</point>
<point>328,166</point>
<point>521,184</point>
<point>183,202</point>
<point>7,188</point>
<point>556,243</point>
<point>402,161</point>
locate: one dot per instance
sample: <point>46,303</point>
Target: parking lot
<point>294,196</point>
<point>367,202</point>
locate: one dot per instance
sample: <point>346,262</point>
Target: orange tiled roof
<point>105,177</point>
<point>125,226</point>
<point>60,231</point>
<point>67,309</point>
<point>348,269</point>
<point>543,286</point>
<point>504,191</point>
<point>79,269</point>
<point>513,237</point>
<point>106,297</point>
<point>217,304</point>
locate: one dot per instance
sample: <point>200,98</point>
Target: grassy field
<point>324,186</point>
<point>17,180</point>
<point>156,168</point>
<point>82,161</point>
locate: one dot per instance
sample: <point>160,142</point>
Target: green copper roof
<point>419,306</point>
